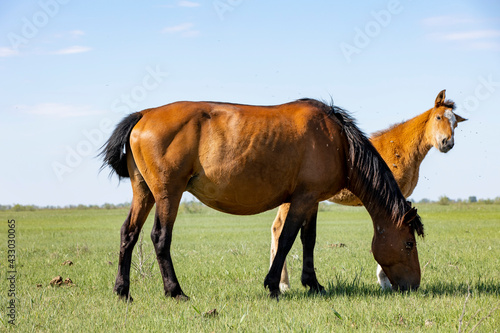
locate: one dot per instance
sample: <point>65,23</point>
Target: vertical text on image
<point>11,271</point>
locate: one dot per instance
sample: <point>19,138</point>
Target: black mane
<point>369,177</point>
<point>448,104</point>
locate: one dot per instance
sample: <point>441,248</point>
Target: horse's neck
<point>382,219</point>
<point>403,147</point>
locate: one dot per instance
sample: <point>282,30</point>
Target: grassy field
<point>221,261</point>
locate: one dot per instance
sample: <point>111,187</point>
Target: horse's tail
<point>114,150</point>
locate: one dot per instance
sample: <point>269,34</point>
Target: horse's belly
<point>240,197</point>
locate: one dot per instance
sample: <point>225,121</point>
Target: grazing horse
<point>403,147</point>
<point>243,159</point>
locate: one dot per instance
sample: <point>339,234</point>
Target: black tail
<point>113,151</point>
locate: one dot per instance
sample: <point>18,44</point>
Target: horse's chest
<point>406,175</point>
<point>404,168</point>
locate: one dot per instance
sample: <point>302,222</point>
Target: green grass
<point>221,261</point>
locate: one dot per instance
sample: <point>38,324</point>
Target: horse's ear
<point>413,220</point>
<point>410,215</point>
<point>459,119</point>
<point>440,98</point>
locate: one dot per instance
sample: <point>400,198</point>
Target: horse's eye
<point>438,117</point>
<point>409,245</point>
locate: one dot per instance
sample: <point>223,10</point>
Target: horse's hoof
<point>125,298</point>
<point>317,291</point>
<point>123,293</point>
<point>314,286</point>
<point>178,295</point>
<point>284,287</point>
<point>181,298</point>
<point>320,289</point>
<point>274,294</point>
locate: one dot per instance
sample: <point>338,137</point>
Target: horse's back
<point>224,125</point>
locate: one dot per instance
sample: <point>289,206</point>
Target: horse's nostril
<point>444,141</point>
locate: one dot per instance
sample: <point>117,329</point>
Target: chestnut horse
<point>403,147</point>
<point>243,159</point>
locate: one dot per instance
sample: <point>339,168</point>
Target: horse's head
<point>442,123</point>
<point>395,250</point>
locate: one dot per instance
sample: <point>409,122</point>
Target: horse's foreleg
<point>161,235</point>
<point>297,215</point>
<point>275,234</point>
<point>130,230</point>
<point>308,238</point>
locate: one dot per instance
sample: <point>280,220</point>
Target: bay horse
<point>403,147</point>
<point>244,159</point>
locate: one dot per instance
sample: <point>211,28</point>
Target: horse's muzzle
<point>446,145</point>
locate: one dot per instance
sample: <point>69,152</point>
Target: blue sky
<point>70,70</point>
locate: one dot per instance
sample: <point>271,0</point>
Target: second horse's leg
<point>300,212</point>
<point>383,280</point>
<point>276,229</point>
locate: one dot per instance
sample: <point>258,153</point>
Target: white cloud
<point>73,50</point>
<point>73,34</point>
<point>473,39</point>
<point>494,46</point>
<point>446,20</point>
<point>184,29</point>
<point>8,52</point>
<point>183,3</point>
<point>466,31</point>
<point>189,4</point>
<point>472,35</point>
<point>76,33</point>
<point>67,36</point>
<point>178,28</point>
<point>190,33</point>
<point>57,110</point>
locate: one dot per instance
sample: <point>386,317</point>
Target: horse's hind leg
<point>161,235</point>
<point>276,229</point>
<point>308,237</point>
<point>142,203</point>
